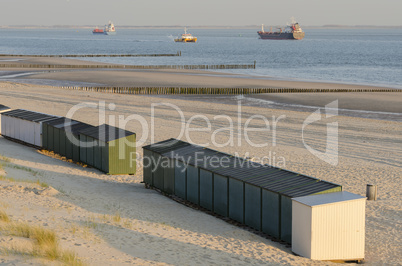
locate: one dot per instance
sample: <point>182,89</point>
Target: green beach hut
<point>109,149</point>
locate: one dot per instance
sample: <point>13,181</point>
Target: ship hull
<point>110,32</point>
<point>186,40</point>
<point>281,36</point>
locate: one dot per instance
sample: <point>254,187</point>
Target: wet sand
<point>372,101</point>
<point>162,77</point>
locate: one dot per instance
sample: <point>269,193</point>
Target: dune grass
<point>7,178</point>
<point>12,179</point>
<point>4,159</point>
<point>23,168</point>
<point>4,216</point>
<point>7,162</point>
<point>42,184</point>
<point>117,217</point>
<point>45,241</point>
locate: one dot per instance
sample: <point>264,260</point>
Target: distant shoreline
<point>195,27</point>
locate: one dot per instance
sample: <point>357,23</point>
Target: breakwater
<point>212,91</point>
<point>94,66</point>
<point>92,55</point>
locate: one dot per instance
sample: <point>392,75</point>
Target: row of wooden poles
<point>232,91</point>
<point>91,55</point>
<point>234,66</point>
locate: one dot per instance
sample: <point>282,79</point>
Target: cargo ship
<point>98,31</point>
<point>186,37</point>
<point>110,29</point>
<point>292,32</point>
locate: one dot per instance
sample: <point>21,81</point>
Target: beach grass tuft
<point>4,216</point>
<point>45,242</point>
<point>4,159</point>
<point>117,217</point>
<point>23,168</point>
<point>12,179</point>
<point>42,184</point>
<point>6,178</point>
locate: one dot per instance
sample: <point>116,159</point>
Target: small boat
<point>110,29</point>
<point>186,37</point>
<point>98,31</point>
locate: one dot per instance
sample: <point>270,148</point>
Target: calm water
<point>361,56</point>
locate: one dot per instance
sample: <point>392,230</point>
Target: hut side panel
<point>122,156</point>
<point>98,154</point>
<point>221,195</point>
<point>301,228</point>
<point>37,128</point>
<point>69,148</point>
<point>72,145</point>
<point>252,206</point>
<point>56,140</point>
<point>180,183</point>
<point>83,149</point>
<point>63,144</point>
<point>270,213</point>
<point>157,175</point>
<point>286,219</point>
<point>192,184</point>
<point>16,131</point>
<point>169,176</point>
<point>147,167</point>
<point>3,109</point>
<point>45,136</point>
<point>344,238</point>
<point>7,126</point>
<point>90,151</point>
<point>236,200</point>
<point>105,158</point>
<point>206,189</point>
<point>50,138</point>
<point>2,125</point>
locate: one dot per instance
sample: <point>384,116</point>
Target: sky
<point>200,13</point>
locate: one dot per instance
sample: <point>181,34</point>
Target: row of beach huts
<point>107,148</point>
<point>316,217</point>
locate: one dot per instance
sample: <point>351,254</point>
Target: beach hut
<point>50,137</point>
<point>329,226</point>
<point>24,125</point>
<point>62,136</point>
<point>3,109</point>
<point>153,167</point>
<point>251,193</point>
<point>109,149</point>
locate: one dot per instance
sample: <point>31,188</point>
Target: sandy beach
<point>113,220</point>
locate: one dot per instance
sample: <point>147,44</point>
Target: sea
<point>350,56</point>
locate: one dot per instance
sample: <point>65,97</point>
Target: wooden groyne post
<point>92,55</point>
<point>94,66</point>
<point>215,91</point>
